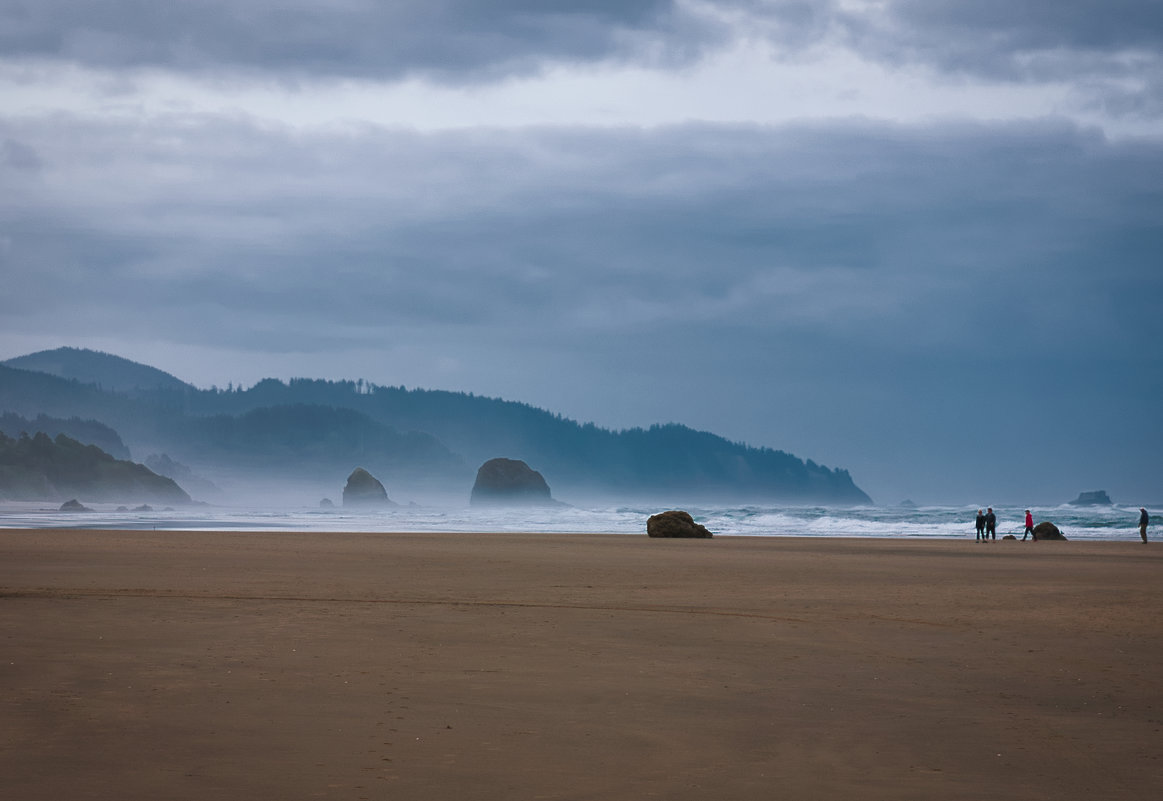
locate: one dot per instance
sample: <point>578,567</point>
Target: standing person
<point>980,523</point>
<point>990,523</point>
<point>1143,521</point>
<point>1029,527</point>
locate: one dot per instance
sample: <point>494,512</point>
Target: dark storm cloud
<point>1111,50</point>
<point>826,230</point>
<point>1000,32</point>
<point>454,39</point>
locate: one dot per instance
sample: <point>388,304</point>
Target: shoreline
<point>281,665</point>
<point>1123,537</point>
<point>937,523</point>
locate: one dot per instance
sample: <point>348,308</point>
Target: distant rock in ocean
<point>675,523</point>
<point>74,506</point>
<point>509,481</point>
<point>1096,498</point>
<point>326,503</point>
<point>364,489</point>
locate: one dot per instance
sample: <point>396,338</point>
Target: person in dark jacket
<point>980,523</point>
<point>1143,521</point>
<point>990,524</point>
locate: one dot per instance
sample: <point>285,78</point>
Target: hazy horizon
<point>917,241</point>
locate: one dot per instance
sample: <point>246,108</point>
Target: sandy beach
<point>178,665</point>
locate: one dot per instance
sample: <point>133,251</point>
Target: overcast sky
<point>918,239</point>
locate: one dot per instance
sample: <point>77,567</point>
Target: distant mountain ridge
<point>310,428</point>
<point>105,370</point>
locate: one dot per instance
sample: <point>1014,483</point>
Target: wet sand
<point>174,665</point>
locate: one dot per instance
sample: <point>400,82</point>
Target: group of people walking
<point>987,526</point>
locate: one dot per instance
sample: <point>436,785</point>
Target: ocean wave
<point>947,522</point>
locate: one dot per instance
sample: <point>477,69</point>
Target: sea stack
<point>1095,498</point>
<point>364,489</point>
<point>509,482</point>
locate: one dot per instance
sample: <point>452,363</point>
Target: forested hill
<point>304,423</point>
<point>662,457</point>
<point>39,467</point>
<point>88,431</point>
<point>102,369</point>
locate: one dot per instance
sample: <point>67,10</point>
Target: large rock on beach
<point>364,489</point>
<point>509,482</point>
<point>675,523</point>
<point>1095,498</point>
<point>1048,531</point>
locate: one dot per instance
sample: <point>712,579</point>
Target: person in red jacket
<point>1029,527</point>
